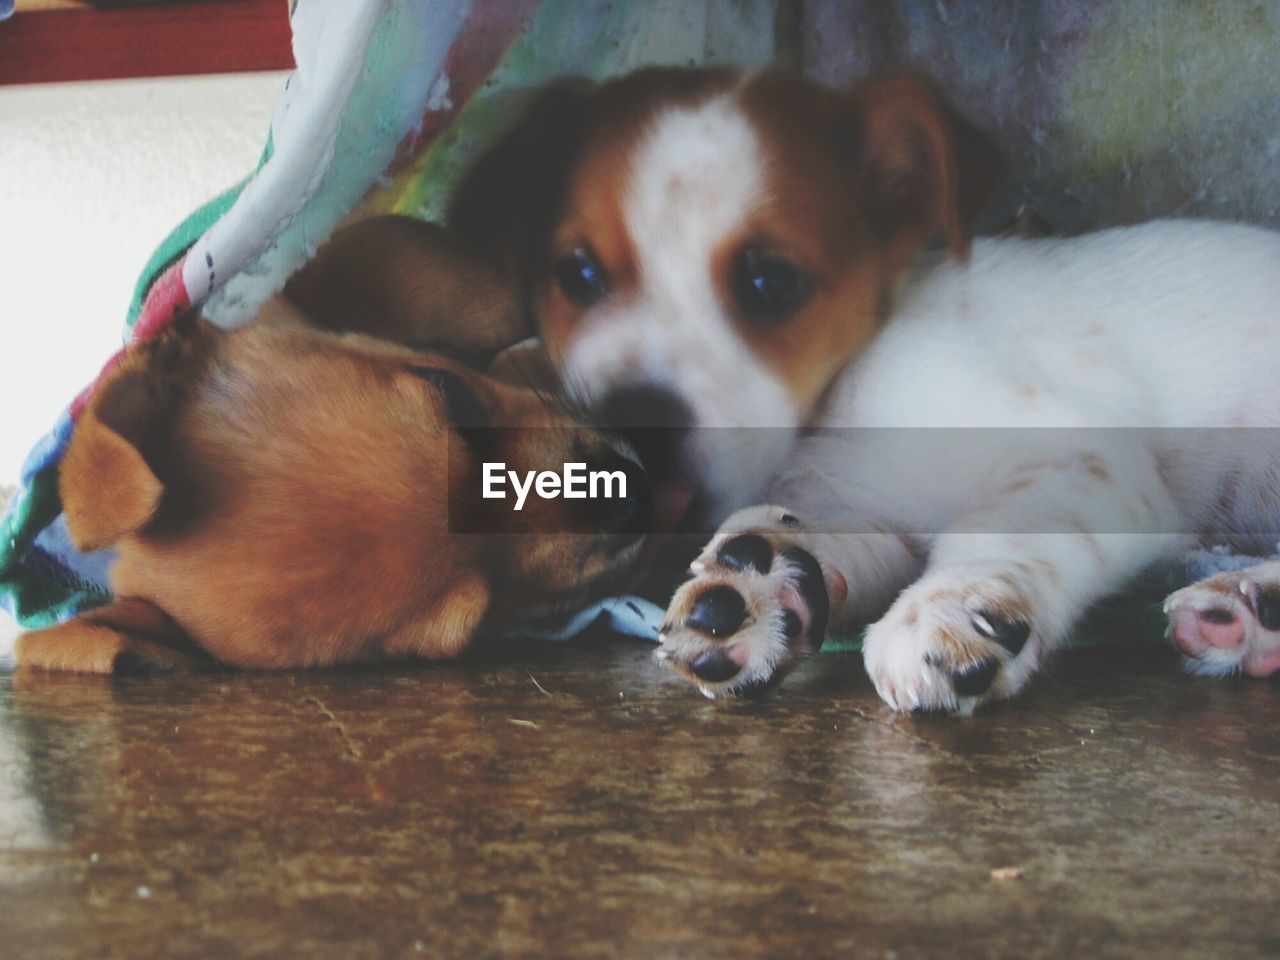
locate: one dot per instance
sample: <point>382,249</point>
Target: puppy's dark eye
<point>768,288</point>
<point>462,405</point>
<point>581,278</point>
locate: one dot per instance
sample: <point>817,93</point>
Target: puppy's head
<point>293,497</point>
<point>719,245</point>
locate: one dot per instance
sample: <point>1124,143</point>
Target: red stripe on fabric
<point>486,36</point>
<point>166,299</point>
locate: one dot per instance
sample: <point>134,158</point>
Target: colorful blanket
<point>1107,112</point>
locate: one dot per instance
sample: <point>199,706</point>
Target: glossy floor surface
<point>578,802</point>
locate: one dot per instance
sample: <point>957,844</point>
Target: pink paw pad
<point>1193,630</point>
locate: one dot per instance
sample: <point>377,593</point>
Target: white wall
<point>92,177</point>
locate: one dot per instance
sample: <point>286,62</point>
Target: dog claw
<point>1010,634</point>
<point>983,625</point>
<point>707,692</point>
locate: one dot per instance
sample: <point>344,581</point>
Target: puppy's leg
<point>1005,584</point>
<point>765,590</point>
<point>1229,622</point>
<point>129,635</point>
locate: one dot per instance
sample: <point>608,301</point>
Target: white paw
<point>1229,622</point>
<point>757,604</point>
<point>951,641</point>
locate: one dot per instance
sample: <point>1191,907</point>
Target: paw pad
<point>813,590</point>
<point>1268,604</point>
<point>718,612</point>
<point>791,624</point>
<point>1217,615</point>
<point>757,606</point>
<point>976,678</point>
<point>747,552</point>
<point>714,666</point>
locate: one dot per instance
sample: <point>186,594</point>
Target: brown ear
<point>107,478</point>
<point>923,167</point>
<point>107,487</point>
<point>505,204</point>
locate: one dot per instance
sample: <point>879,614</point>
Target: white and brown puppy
<point>740,258</point>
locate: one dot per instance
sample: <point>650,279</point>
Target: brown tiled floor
<point>579,803</point>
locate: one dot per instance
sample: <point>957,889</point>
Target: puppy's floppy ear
<point>411,282</point>
<point>107,478</point>
<point>108,489</point>
<point>922,167</point>
<point>504,206</point>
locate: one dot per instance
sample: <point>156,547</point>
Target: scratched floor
<point>576,802</point>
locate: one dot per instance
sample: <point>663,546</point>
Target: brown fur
<point>283,496</point>
<point>407,280</point>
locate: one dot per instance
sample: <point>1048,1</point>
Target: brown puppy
<point>284,496</point>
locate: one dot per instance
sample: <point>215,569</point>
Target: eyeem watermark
<point>575,482</point>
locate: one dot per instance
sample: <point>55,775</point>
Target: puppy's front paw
<point>757,604</point>
<point>1229,622</point>
<point>950,642</point>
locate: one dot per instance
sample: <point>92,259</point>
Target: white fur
<point>1167,325</point>
<point>696,176</point>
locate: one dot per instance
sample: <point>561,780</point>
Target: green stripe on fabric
<point>37,600</point>
<point>28,515</point>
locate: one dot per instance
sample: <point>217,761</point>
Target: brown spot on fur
<point>1096,467</point>
<point>1048,571</point>
<point>832,158</point>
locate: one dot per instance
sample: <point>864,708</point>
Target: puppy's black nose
<point>653,419</point>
